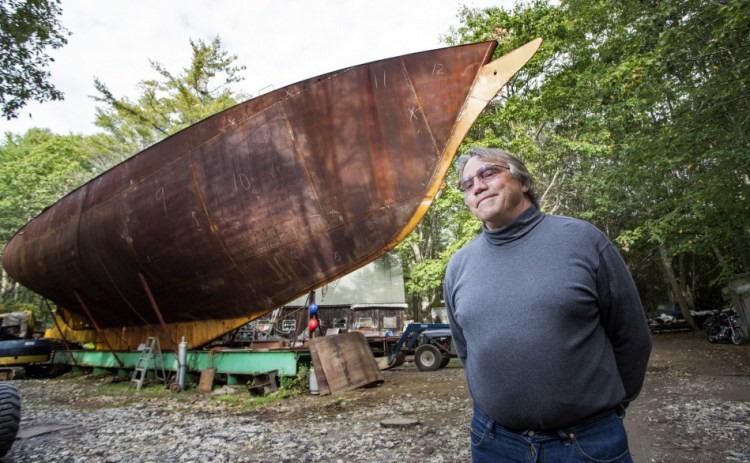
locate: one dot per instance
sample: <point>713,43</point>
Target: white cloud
<point>280,42</point>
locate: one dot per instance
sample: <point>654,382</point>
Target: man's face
<point>498,200</point>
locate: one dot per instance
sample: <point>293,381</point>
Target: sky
<point>280,41</point>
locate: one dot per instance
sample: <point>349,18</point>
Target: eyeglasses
<point>484,174</point>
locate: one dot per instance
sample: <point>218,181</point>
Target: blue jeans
<point>598,439</point>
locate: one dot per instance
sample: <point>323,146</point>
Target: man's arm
<point>459,342</point>
<point>624,320</point>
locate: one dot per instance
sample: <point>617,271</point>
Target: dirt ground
<point>695,403</point>
<point>694,407</point>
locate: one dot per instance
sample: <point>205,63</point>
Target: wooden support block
<point>207,380</point>
<point>263,383</point>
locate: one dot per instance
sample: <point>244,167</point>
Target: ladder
<point>150,358</point>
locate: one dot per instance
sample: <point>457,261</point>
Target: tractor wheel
<point>445,361</point>
<point>428,357</point>
<point>10,416</point>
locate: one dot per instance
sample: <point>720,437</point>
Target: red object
<point>313,324</point>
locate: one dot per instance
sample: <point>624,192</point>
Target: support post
<point>59,330</point>
<point>96,326</point>
<point>175,346</point>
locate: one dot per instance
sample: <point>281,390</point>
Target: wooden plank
<point>344,362</point>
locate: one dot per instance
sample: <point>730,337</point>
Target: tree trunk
<point>685,307</point>
<point>425,307</point>
<point>722,260</point>
<point>3,282</point>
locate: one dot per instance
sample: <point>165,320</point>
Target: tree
<point>28,29</point>
<point>673,88</point>
<point>447,225</point>
<point>634,116</point>
<point>38,168</point>
<point>35,171</point>
<point>170,104</point>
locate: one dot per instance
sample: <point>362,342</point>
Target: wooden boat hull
<point>255,206</point>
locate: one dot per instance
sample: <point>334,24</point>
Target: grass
<point>289,387</point>
<point>106,391</point>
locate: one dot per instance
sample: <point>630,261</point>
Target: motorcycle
<point>723,327</point>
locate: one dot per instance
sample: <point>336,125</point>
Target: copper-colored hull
<point>260,203</point>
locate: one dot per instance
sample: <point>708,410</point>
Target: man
<point>547,322</point>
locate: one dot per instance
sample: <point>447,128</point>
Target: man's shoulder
<point>574,223</point>
<point>574,227</point>
<point>466,250</point>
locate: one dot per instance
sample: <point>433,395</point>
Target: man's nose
<point>479,186</point>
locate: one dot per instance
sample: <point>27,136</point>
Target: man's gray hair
<point>516,167</point>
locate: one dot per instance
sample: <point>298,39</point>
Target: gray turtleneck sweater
<point>547,322</point>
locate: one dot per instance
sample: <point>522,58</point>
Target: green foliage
<point>290,386</point>
<point>35,171</point>
<point>448,225</point>
<point>39,316</point>
<point>672,84</point>
<point>28,29</point>
<point>634,116</point>
<point>13,306</point>
<point>295,383</point>
<point>39,168</point>
<point>169,104</point>
<point>425,252</point>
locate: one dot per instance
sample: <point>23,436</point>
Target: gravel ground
<point>695,407</point>
<point>88,420</point>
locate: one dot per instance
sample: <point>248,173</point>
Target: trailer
<point>233,366</point>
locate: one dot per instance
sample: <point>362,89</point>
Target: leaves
<point>170,104</point>
<point>633,116</point>
<point>28,29</point>
<point>36,170</point>
<point>39,168</point>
